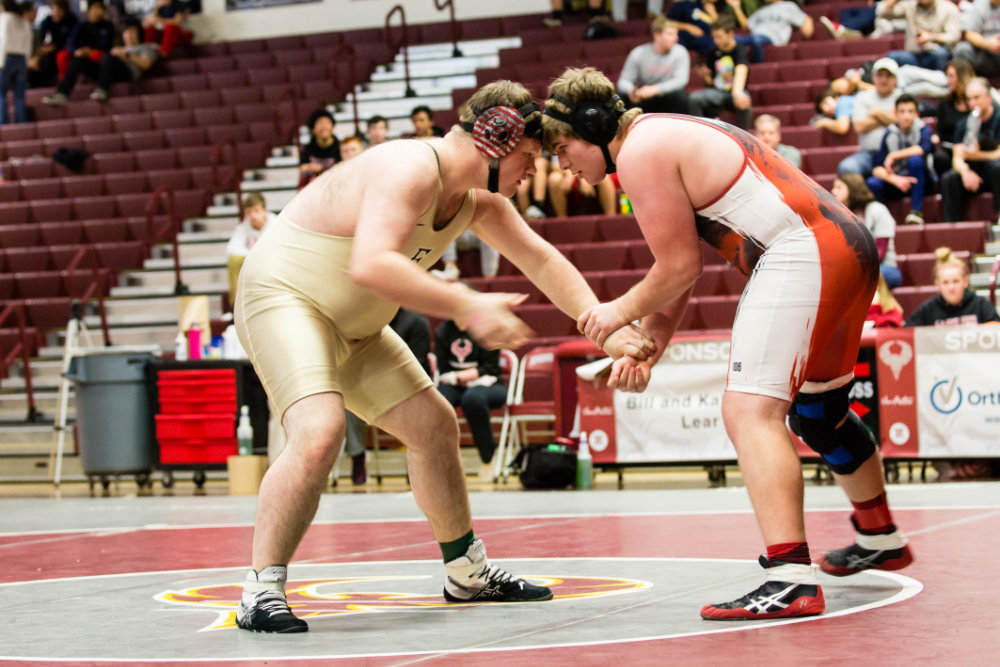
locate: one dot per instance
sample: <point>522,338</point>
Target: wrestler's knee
<point>826,424</point>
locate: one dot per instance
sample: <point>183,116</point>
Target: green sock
<point>455,548</point>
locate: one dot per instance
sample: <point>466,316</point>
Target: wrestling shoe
<point>263,606</point>
<point>869,552</point>
<point>472,578</point>
<point>791,590</point>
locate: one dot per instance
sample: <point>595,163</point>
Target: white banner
<point>958,391</point>
<point>679,416</point>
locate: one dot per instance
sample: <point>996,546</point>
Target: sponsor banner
<point>597,418</point>
<point>896,363</point>
<point>958,391</point>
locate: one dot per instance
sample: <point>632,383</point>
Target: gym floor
<point>155,579</point>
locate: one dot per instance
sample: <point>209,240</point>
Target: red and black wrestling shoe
<point>791,590</point>
<point>869,552</point>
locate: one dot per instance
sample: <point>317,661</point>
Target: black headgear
<point>498,130</point>
<point>595,122</point>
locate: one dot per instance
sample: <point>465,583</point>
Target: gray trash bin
<point>113,410</point>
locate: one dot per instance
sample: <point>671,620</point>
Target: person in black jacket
<point>956,304</point>
<point>53,33</point>
<point>88,44</point>
<point>470,378</point>
<point>323,151</point>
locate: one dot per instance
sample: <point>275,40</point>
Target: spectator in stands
<point>121,63</point>
<point>901,162</point>
<point>256,218</point>
<point>376,130</point>
<point>975,158</point>
<point>654,74</point>
<point>956,304</point>
<point>53,34</point>
<point>773,24</point>
<point>595,9</point>
<point>885,310</point>
<point>165,25</point>
<point>933,27</point>
<point>16,43</point>
<point>565,187</point>
<point>833,112</point>
<point>768,129</point>
<point>981,23</point>
<point>91,39</point>
<point>323,150</point>
<point>694,24</point>
<point>852,191</point>
<point>469,377</point>
<point>489,259</point>
<point>532,192</point>
<point>423,123</point>
<point>350,147</point>
<point>725,74</point>
<point>951,109</point>
<point>874,111</point>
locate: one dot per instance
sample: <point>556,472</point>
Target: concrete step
<point>437,67</point>
<point>143,291</point>
<point>220,225</point>
<point>26,438</point>
<point>478,47</point>
<point>35,468</point>
<point>273,174</point>
<point>993,248</point>
<point>423,87</point>
<point>135,311</point>
<point>390,108</point>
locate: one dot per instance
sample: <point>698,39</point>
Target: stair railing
<point>456,28</point>
<point>402,43</point>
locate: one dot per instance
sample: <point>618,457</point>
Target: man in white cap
<point>874,111</point>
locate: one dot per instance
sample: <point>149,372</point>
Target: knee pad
<point>814,418</point>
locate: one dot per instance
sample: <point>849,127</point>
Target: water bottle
<point>972,126</point>
<point>584,464</point>
<point>244,433</point>
<point>180,347</point>
<point>194,343</point>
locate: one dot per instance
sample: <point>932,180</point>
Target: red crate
<point>197,391</point>
<point>198,406</point>
<point>185,451</point>
<point>197,427</point>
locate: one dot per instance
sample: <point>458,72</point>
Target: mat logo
<point>317,598</point>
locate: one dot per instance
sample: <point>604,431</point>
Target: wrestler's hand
<point>488,319</point>
<point>600,321</point>
<point>630,341</point>
<point>629,375</point>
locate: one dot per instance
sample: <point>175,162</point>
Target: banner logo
<point>896,358</point>
<point>946,396</point>
<point>598,440</point>
<point>899,434</point>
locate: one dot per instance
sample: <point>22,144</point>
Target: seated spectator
<point>975,158</point>
<point>768,129</point>
<point>351,146</point>
<point>933,27</point>
<point>851,191</point>
<point>885,310</point>
<point>423,123</point>
<point>833,112</point>
<point>981,23</point>
<point>16,41</point>
<point>531,193</point>
<point>564,187</point>
<point>469,376</point>
<point>654,74</point>
<point>694,20</point>
<point>256,218</point>
<point>951,109</point>
<point>91,39</point>
<point>956,304</point>
<point>724,73</point>
<point>323,150</point>
<point>773,24</point>
<point>489,259</point>
<point>122,63</point>
<point>376,130</point>
<point>874,111</point>
<point>595,9</point>
<point>53,34</point>
<point>165,25</point>
<point>901,162</point>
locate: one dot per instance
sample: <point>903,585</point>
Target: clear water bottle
<point>974,122</point>
<point>244,433</point>
<point>584,464</point>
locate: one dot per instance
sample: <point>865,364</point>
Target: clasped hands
<point>631,347</point>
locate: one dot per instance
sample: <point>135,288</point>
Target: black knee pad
<point>814,418</point>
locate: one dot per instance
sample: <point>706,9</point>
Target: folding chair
<point>541,361</point>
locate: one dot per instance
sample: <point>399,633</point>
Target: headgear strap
<point>498,130</point>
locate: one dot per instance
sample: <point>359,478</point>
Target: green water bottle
<point>584,464</point>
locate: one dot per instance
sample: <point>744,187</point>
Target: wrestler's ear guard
<point>595,122</point>
<point>498,130</point>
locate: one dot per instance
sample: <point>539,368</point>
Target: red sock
<point>872,517</point>
<point>788,552</point>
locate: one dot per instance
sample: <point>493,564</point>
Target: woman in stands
<point>852,191</point>
<point>956,304</point>
<point>812,270</point>
<point>951,109</point>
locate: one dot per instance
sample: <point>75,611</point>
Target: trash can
<point>113,410</point>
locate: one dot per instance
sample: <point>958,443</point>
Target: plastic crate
<point>197,391</point>
<point>186,451</point>
<point>199,406</point>
<point>196,427</point>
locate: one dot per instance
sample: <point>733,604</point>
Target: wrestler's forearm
<point>393,277</point>
<point>659,290</point>
<point>561,282</point>
<point>663,325</point>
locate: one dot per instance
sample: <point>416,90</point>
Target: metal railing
<point>456,28</point>
<point>291,128</point>
<point>23,349</point>
<point>993,281</point>
<point>163,198</point>
<point>402,43</point>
